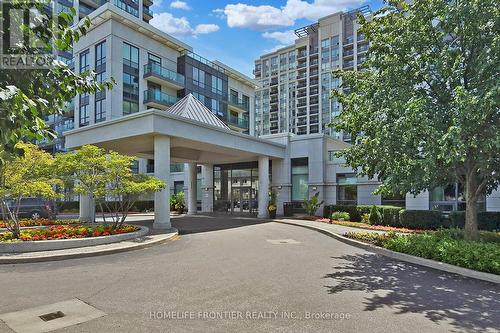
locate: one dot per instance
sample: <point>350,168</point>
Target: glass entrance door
<point>242,200</point>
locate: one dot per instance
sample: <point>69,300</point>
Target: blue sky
<point>238,32</point>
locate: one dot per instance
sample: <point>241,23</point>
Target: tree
<point>86,168</point>
<point>122,188</point>
<point>427,112</point>
<point>27,96</point>
<point>28,174</point>
<point>106,178</point>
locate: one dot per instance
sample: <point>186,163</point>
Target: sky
<point>238,32</point>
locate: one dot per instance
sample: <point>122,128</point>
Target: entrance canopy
<point>196,135</point>
<point>187,132</point>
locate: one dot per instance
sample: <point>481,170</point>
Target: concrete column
<point>191,173</point>
<point>207,198</point>
<point>263,186</point>
<point>162,171</point>
<point>87,209</point>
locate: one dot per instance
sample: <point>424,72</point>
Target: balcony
<point>160,75</point>
<point>147,13</point>
<point>238,104</point>
<point>84,11</point>
<point>240,122</point>
<point>148,2</point>
<point>362,48</point>
<point>348,64</point>
<point>156,99</point>
<point>348,53</point>
<point>302,54</point>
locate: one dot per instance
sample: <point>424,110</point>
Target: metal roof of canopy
<point>191,108</point>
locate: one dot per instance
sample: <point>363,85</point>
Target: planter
<point>272,214</point>
<point>60,244</point>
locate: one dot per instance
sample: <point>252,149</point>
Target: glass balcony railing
<point>239,103</point>
<point>241,122</point>
<point>156,96</point>
<point>164,73</point>
<point>147,11</point>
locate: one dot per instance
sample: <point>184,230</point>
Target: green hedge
<point>485,220</point>
<point>390,214</point>
<point>139,206</point>
<point>420,219</point>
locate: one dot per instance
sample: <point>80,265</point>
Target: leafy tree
<point>427,112</point>
<point>122,188</point>
<point>28,174</point>
<point>29,95</point>
<point>106,178</point>
<point>312,205</point>
<point>86,168</point>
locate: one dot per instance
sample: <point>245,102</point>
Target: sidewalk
<point>338,229</point>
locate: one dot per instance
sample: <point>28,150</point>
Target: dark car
<point>34,208</point>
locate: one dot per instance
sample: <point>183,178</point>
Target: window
<point>154,59</point>
<point>198,77</point>
<point>216,85</point>
<point>100,54</point>
<point>130,86</point>
<point>246,101</point>
<point>200,97</point>
<point>394,200</point>
<point>325,43</point>
<point>100,110</point>
<point>84,61</point>
<point>150,166</point>
<point>130,107</point>
<point>84,110</point>
<point>451,197</point>
<point>347,189</point>
<point>130,56</point>
<point>216,107</point>
<point>300,179</point>
<point>135,167</point>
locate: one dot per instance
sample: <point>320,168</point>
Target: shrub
<point>390,215</point>
<point>485,220</point>
<point>351,209</point>
<point>420,219</point>
<point>356,212</point>
<point>312,205</point>
<point>341,216</point>
<point>375,216</point>
<point>365,218</point>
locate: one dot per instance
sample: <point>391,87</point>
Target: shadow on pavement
<point>467,304</point>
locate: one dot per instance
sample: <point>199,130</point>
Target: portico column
<point>263,186</point>
<point>87,209</point>
<point>191,171</point>
<point>162,171</point>
<point>207,199</point>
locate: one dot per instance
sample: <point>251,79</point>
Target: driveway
<point>265,271</point>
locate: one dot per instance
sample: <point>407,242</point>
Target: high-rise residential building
<point>164,76</point>
<point>296,81</point>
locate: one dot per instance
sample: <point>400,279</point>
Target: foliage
<point>365,218</point>
<point>106,177</point>
<point>390,215</point>
<point>41,222</point>
<point>420,219</point>
<point>180,204</point>
<point>447,246</point>
<point>27,174</point>
<point>341,216</point>
<point>312,205</point>
<point>172,202</point>
<point>427,113</point>
<point>485,220</point>
<point>27,96</point>
<point>271,206</point>
<point>68,232</point>
<point>356,211</point>
<point>375,216</point>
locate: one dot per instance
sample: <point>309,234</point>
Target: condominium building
<point>296,81</point>
<point>153,74</point>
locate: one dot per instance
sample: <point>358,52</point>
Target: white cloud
<point>205,28</point>
<point>266,17</point>
<point>284,37</point>
<point>180,26</point>
<point>180,5</point>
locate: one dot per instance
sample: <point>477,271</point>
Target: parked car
<point>34,208</point>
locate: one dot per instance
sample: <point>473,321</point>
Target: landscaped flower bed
<point>445,245</point>
<point>44,222</point>
<point>67,232</point>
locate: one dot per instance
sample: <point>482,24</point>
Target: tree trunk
<point>471,225</point>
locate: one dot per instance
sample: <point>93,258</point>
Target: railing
<point>85,10</point>
<point>241,122</point>
<point>239,103</point>
<point>155,95</point>
<point>203,60</point>
<point>156,69</point>
<point>147,11</point>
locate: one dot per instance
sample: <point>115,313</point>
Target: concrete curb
<point>62,244</point>
<point>402,256</point>
<point>89,251</point>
